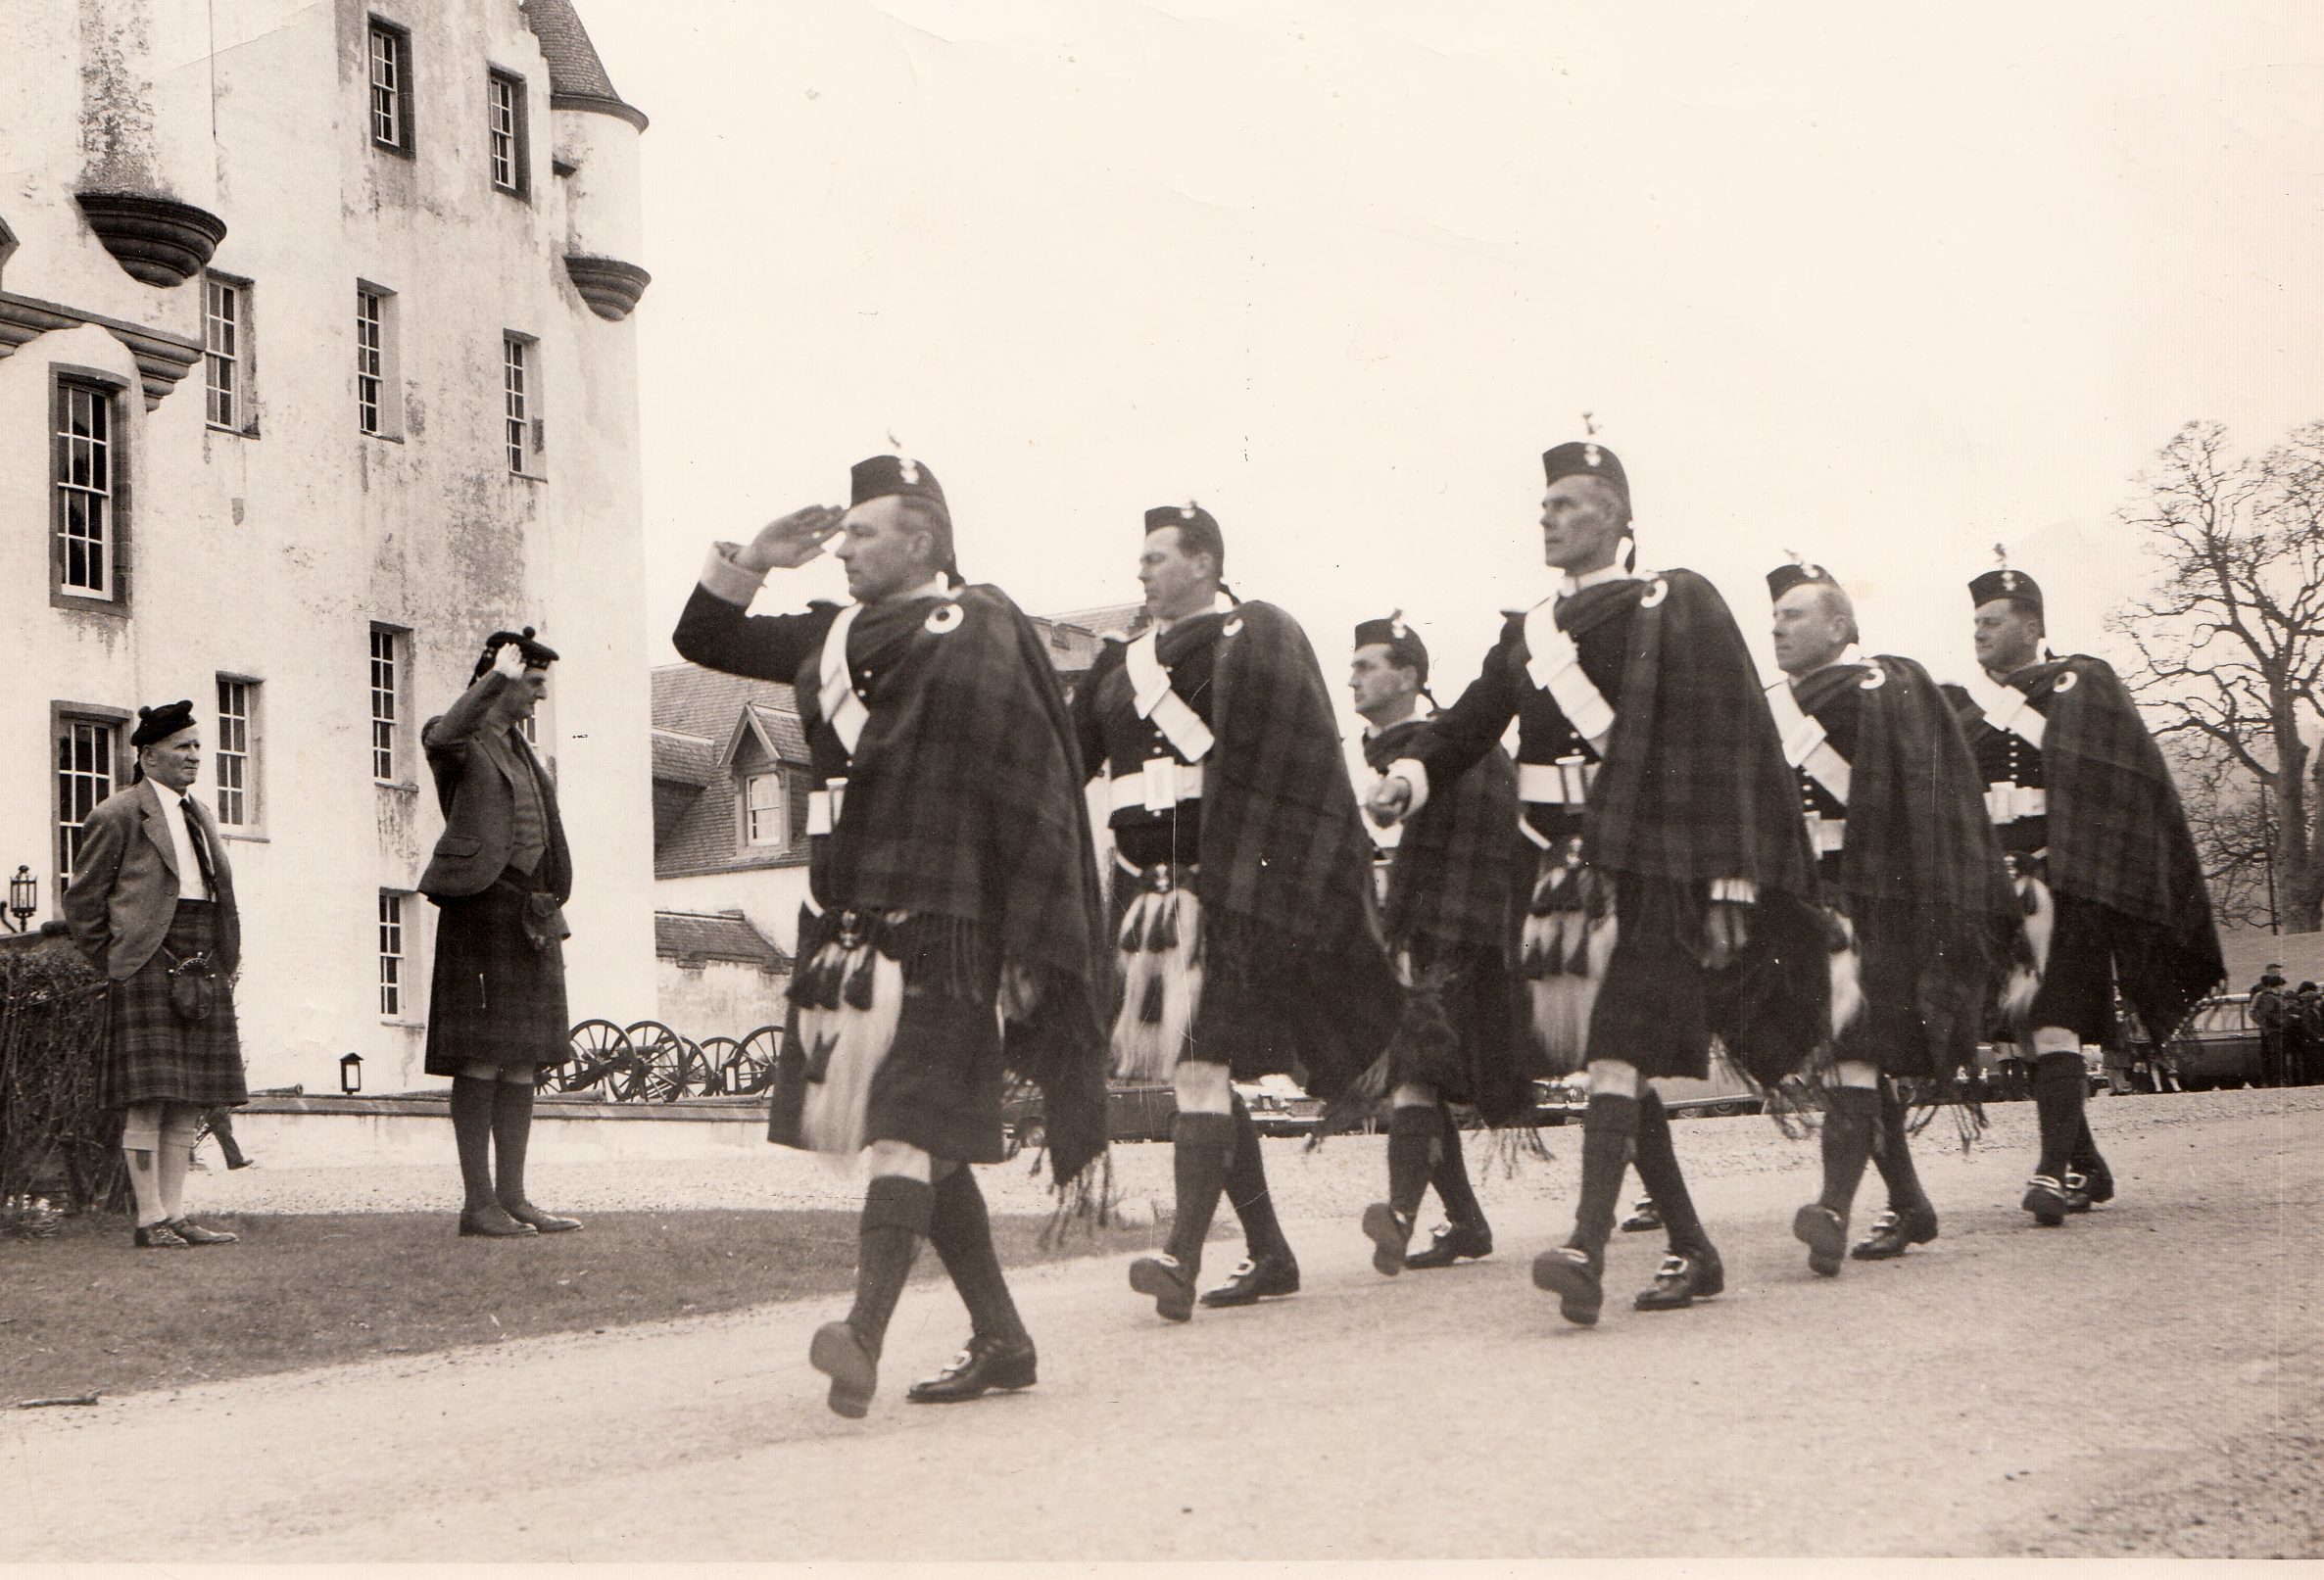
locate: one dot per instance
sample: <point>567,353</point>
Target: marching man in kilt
<point>953,933</point>
<point>1242,890</point>
<point>1920,914</point>
<point>1451,925</point>
<point>152,906</point>
<point>2107,873</point>
<point>1674,896</point>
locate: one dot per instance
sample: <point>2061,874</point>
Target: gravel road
<point>2143,1381</point>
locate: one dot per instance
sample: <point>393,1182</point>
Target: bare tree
<point>2231,651</point>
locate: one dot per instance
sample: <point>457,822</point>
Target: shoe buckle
<point>1673,1266</point>
<point>1887,1221</point>
<point>1245,1268</point>
<point>2075,1182</point>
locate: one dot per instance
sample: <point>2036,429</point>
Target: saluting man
<point>1921,916</point>
<point>2106,873</point>
<point>500,876</point>
<point>953,931</point>
<point>1674,895</point>
<point>152,906</point>
<point>1450,918</point>
<point>1243,892</point>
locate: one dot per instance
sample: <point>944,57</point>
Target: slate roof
<point>722,936</point>
<point>684,759</point>
<point>576,74</point>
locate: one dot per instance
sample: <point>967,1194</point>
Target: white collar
<point>170,798</point>
<point>1849,654</point>
<point>1219,603</point>
<point>1568,586</point>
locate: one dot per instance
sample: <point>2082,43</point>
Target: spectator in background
<point>501,875</point>
<point>2267,1011</point>
<point>152,906</point>
<point>2303,1036</point>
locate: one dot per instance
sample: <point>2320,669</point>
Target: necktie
<point>193,829</point>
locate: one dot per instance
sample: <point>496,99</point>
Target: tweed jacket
<point>480,805</point>
<point>125,888</point>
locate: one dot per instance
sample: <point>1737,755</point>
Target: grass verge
<point>81,1311</point>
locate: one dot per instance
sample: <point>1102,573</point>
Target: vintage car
<point>1134,1111</point>
<point>1560,1101</point>
<point>2217,1047</point>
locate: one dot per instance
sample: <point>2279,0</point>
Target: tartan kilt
<point>938,1084</point>
<point>151,1055</point>
<point>1491,1064</point>
<point>493,998</point>
<point>1264,1006</point>
<point>2077,990</point>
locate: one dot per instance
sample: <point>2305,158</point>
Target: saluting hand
<point>1388,799</point>
<point>791,540</point>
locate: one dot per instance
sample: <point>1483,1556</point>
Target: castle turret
<point>595,153</point>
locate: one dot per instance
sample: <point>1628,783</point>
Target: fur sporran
<point>190,987</point>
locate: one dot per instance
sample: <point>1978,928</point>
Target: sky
<point>1878,290</point>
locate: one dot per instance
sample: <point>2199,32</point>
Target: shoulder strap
<point>1554,664</point>
<point>1151,696</point>
<point>1806,747</point>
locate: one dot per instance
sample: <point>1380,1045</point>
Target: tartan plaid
<point>493,998</point>
<point>1921,875</point>
<point>1453,878</point>
<point>1283,846</point>
<point>1695,787</point>
<point>2118,840</point>
<point>964,800</point>
<point>151,1055</point>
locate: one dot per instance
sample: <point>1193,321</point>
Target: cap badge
<point>943,618</point>
<point>1589,454</point>
<point>1186,512</point>
<point>909,469</point>
<point>2009,581</point>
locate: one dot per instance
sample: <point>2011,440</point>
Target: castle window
<point>234,760</point>
<point>88,492</point>
<point>522,428</point>
<point>86,752</point>
<point>391,86</point>
<point>505,124</point>
<point>226,345</point>
<point>378,382</point>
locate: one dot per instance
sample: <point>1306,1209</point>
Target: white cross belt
<point>1554,664</point>
<point>1155,701</point>
<point>1806,747</point>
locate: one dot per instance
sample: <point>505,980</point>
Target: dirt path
<point>2141,1381</point>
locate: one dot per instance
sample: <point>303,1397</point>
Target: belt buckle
<point>1160,774</point>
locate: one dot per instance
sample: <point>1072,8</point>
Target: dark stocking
<point>1201,1145</point>
<point>1850,1122</point>
<point>1246,1188</point>
<point>1658,1171</point>
<point>1609,1134</point>
<point>1450,1175</point>
<point>962,1233</point>
<point>471,1129</point>
<point>895,1219</point>
<point>2061,1089</point>
<point>1415,1134</point>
